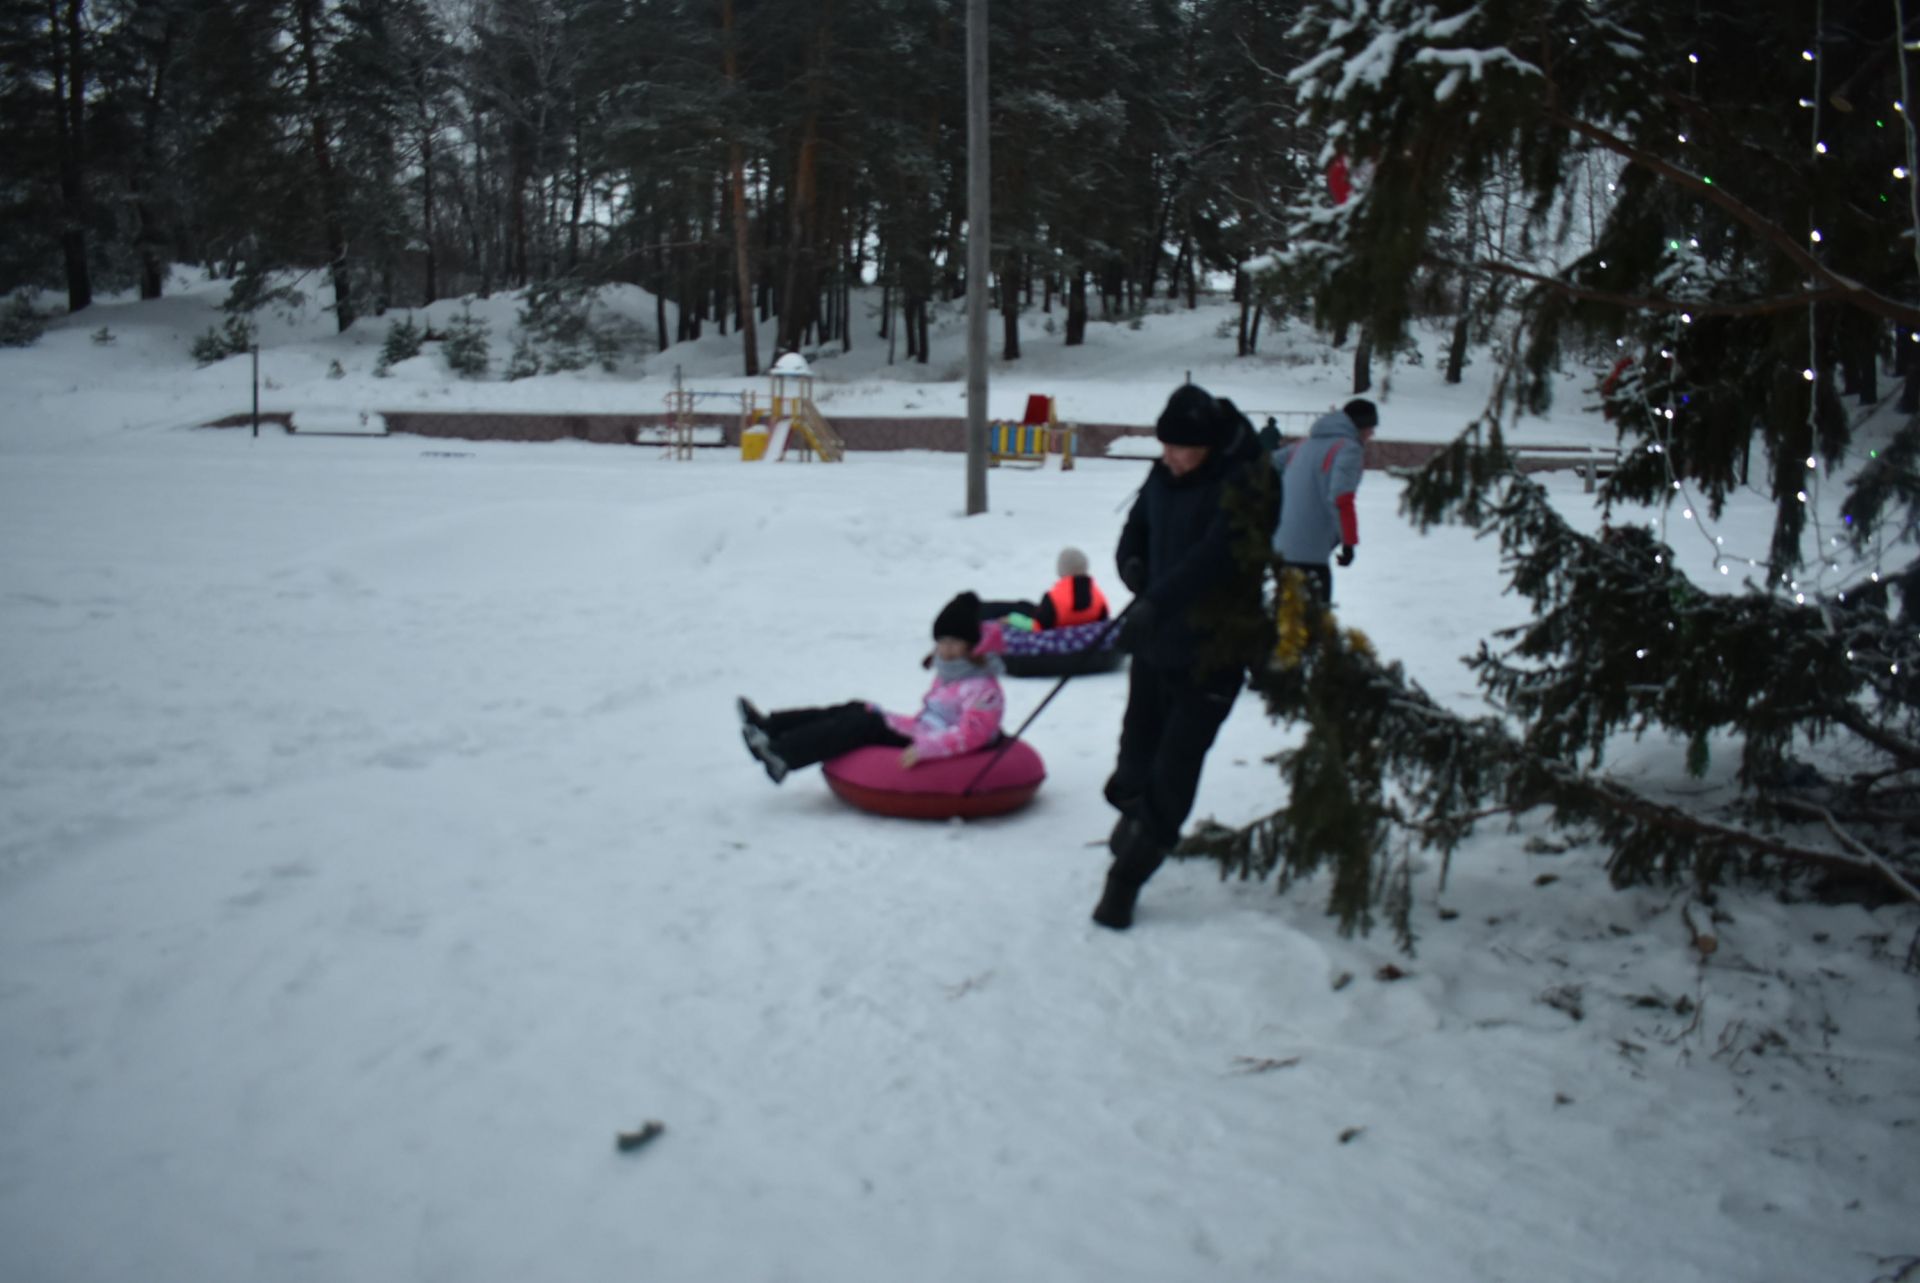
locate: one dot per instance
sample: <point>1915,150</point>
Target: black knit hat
<point>959,618</point>
<point>1191,418</point>
<point>1364,413</point>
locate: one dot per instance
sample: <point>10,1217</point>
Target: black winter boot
<point>1136,853</point>
<point>762,748</point>
<point>1135,857</point>
<point>1115,909</point>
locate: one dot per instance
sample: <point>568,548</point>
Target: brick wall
<point>859,432</point>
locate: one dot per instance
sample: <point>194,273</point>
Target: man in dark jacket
<point>1193,552</point>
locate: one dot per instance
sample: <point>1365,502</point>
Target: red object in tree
<point>1613,379</point>
<point>1339,184</point>
<point>1611,382</point>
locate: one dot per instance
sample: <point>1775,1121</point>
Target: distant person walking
<point>1318,477</point>
<point>1193,552</point>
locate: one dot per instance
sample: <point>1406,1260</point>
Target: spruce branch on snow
<point>1620,641</point>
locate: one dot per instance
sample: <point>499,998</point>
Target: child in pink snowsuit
<point>961,711</point>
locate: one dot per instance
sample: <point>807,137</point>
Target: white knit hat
<point>1072,562</point>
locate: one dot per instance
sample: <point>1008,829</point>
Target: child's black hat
<point>959,618</point>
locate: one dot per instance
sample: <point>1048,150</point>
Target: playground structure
<point>790,422</point>
<point>1038,434</point>
<point>681,404</point>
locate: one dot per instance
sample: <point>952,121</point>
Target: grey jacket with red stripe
<point>1318,476</point>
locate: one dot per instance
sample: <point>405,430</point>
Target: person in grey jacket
<point>1318,477</point>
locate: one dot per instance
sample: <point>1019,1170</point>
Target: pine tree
<point>403,343</point>
<point>1757,243</point>
<point>467,348</point>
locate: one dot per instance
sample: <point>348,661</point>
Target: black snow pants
<point>1170,723</point>
<point>803,736</point>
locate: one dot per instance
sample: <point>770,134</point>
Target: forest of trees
<point>748,161</point>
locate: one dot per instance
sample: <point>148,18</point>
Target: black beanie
<point>1191,418</point>
<point>1364,413</point>
<point>959,618</point>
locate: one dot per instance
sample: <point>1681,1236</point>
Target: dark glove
<point>1133,573</point>
<point>1139,624</point>
<point>1346,554</point>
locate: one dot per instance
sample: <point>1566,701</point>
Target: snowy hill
<point>379,842</point>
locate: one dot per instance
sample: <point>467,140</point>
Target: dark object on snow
<point>1074,651</point>
<point>1136,854</point>
<point>627,1142</point>
<point>1115,910</point>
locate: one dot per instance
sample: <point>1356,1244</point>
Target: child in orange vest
<point>1073,599</point>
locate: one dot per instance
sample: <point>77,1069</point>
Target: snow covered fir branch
<point>1745,265</point>
<point>1820,699</point>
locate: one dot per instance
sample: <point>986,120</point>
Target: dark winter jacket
<point>1194,549</point>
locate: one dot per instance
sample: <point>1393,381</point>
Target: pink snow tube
<point>873,780</point>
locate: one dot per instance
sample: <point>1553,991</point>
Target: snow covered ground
<point>377,842</point>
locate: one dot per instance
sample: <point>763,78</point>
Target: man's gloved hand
<point>1346,554</point>
<point>1133,573</point>
<point>1139,624</point>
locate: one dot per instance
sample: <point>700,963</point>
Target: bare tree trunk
<point>480,242</point>
<point>579,198</point>
<point>742,226</point>
<point>428,230</point>
<point>803,214</point>
<point>1245,296</point>
<point>1463,324</point>
<point>1076,307</point>
<point>1363,362</point>
<point>70,101</point>
<point>660,295</point>
<point>1010,306</point>
<point>148,236</point>
<point>795,315</point>
<point>320,135</point>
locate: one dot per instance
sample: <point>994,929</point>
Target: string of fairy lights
<point>1687,262</point>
